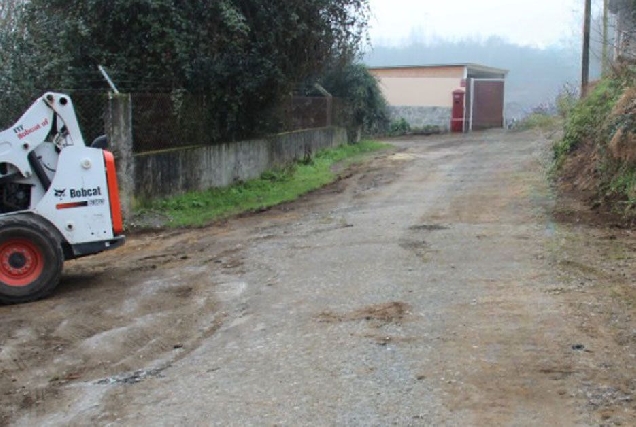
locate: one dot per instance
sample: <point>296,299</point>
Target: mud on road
<point>438,283</point>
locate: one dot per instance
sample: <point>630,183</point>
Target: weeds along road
<point>429,287</point>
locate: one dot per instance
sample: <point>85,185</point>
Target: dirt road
<point>437,285</point>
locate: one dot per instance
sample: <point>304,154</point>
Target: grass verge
<point>540,121</point>
<point>272,188</point>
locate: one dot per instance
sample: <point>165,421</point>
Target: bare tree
<point>623,23</point>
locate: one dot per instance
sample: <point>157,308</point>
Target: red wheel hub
<point>21,262</point>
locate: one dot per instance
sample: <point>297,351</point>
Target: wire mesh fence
<point>307,113</point>
<point>164,121</point>
<point>90,107</point>
<point>174,120</point>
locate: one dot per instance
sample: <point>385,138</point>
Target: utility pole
<point>587,23</point>
<point>606,59</point>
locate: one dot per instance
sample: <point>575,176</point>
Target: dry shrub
<point>622,146</point>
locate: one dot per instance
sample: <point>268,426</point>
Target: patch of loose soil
<point>594,252</point>
<point>140,307</point>
<point>391,312</point>
<point>596,259</point>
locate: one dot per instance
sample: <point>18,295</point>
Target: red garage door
<point>487,104</point>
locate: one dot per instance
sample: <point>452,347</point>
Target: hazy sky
<point>529,22</point>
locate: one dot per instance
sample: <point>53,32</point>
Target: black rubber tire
<point>39,239</point>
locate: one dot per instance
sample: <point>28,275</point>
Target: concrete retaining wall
<point>171,172</point>
<point>424,116</point>
<point>198,168</point>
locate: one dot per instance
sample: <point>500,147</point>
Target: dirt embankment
<point>596,190</point>
<point>600,170</point>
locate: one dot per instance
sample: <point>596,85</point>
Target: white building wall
<point>419,92</point>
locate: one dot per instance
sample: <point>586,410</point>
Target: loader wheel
<point>31,259</point>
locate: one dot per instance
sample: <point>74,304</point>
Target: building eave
<point>468,66</point>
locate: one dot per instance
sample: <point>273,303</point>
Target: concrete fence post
<point>118,124</point>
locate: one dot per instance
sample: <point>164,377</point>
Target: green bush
<point>586,121</point>
<point>400,127</point>
<point>541,121</point>
<point>566,100</point>
<point>365,105</point>
<point>623,184</point>
<point>280,175</point>
<point>432,129</point>
<point>426,130</point>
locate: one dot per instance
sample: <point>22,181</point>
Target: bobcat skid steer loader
<point>58,199</point>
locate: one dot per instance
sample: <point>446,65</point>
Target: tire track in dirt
<point>142,307</point>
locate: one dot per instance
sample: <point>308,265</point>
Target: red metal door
<point>457,122</point>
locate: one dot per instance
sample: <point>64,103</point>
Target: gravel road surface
<point>432,285</point>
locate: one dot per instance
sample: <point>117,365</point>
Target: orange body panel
<point>113,193</point>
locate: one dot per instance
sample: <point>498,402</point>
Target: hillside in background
<point>536,75</point>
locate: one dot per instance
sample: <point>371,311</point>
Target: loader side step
<point>90,248</point>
